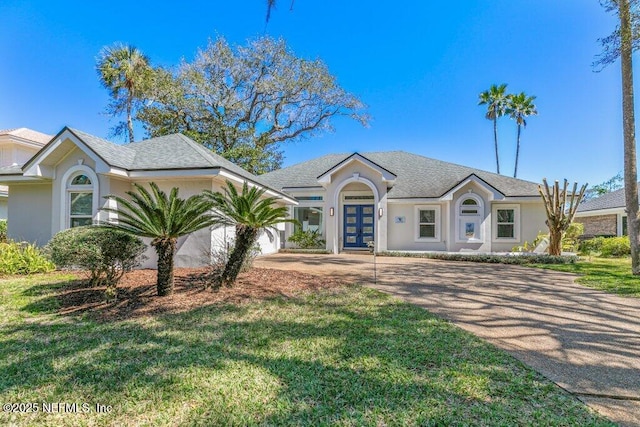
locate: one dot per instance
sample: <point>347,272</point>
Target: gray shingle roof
<point>614,199</point>
<point>166,152</point>
<point>417,176</point>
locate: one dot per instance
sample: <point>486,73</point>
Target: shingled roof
<point>170,152</point>
<point>29,134</point>
<point>612,200</point>
<point>417,176</point>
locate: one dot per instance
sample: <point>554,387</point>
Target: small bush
<point>3,230</point>
<point>616,247</point>
<point>104,252</point>
<point>590,246</point>
<point>307,239</point>
<point>23,258</point>
<point>607,246</point>
<point>570,240</point>
<point>489,258</point>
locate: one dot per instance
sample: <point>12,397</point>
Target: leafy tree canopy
<point>243,102</point>
<point>612,184</point>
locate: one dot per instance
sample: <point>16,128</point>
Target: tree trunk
<point>245,239</point>
<point>515,170</point>
<point>129,119</point>
<point>165,248</point>
<point>495,140</point>
<point>629,130</point>
<point>555,242</point>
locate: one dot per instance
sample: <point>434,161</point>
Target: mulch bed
<point>137,292</point>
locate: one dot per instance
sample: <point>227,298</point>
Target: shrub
<point>607,246</point>
<point>570,240</point>
<point>616,247</point>
<point>106,253</point>
<point>23,258</point>
<point>3,230</point>
<point>593,245</point>
<point>307,239</point>
<point>489,258</point>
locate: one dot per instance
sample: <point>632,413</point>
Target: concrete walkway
<point>586,341</point>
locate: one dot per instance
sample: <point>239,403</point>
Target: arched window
<point>469,207</point>
<point>80,200</point>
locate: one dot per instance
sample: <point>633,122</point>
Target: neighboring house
<point>16,147</point>
<point>604,216</point>
<point>407,202</point>
<point>65,184</point>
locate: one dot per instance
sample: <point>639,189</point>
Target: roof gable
<point>387,175</point>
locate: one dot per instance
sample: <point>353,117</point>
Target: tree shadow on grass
<point>354,357</point>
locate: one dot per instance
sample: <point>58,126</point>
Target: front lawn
<point>343,355</point>
<point>607,274</point>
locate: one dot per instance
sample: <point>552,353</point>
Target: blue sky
<point>418,65</point>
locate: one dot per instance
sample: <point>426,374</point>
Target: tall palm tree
<point>162,218</point>
<point>250,213</point>
<point>520,107</point>
<point>123,69</point>
<point>496,100</point>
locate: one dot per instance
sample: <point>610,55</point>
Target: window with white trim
<point>469,218</point>
<point>80,200</point>
<point>427,223</point>
<point>506,222</point>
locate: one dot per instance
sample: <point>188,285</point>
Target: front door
<point>358,225</point>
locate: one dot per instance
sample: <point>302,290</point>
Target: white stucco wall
<point>532,218</point>
<point>3,207</point>
<point>402,235</point>
<point>29,213</point>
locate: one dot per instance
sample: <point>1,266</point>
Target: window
<point>309,198</point>
<point>427,223</point>
<point>506,222</point>
<point>469,219</point>
<point>310,218</point>
<point>80,197</point>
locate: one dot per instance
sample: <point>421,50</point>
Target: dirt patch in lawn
<point>137,292</point>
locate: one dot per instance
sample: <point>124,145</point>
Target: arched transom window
<point>80,200</point>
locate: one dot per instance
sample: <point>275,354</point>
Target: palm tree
<point>250,213</point>
<point>123,69</point>
<point>162,218</point>
<point>519,108</point>
<point>496,101</point>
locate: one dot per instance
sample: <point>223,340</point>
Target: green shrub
<point>489,258</point>
<point>105,253</point>
<point>23,258</point>
<point>570,240</point>
<point>607,246</point>
<point>307,239</point>
<point>616,247</point>
<point>3,230</point>
<point>590,246</point>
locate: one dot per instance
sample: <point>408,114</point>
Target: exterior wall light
<point>331,212</point>
<point>379,212</point>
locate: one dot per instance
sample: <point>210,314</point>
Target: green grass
<point>607,274</point>
<point>348,357</point>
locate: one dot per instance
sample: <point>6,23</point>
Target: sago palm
<point>249,212</point>
<point>163,218</point>
<point>496,100</point>
<point>520,107</point>
<point>123,70</point>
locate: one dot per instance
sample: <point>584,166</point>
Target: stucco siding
<point>29,213</point>
<point>403,229</point>
<point>532,223</point>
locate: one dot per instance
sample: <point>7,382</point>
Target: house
<point>407,202</point>
<point>65,184</point>
<point>16,147</point>
<point>604,215</point>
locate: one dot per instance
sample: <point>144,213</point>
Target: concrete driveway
<point>586,341</point>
